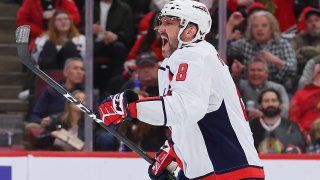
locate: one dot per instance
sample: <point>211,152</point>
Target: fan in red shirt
<point>305,104</point>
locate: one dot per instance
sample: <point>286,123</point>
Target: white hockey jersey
<point>200,103</point>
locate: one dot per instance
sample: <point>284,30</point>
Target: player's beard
<point>271,112</point>
<point>169,48</point>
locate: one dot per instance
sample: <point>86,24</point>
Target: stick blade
<point>22,34</point>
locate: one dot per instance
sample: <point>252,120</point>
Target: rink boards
<point>128,166</point>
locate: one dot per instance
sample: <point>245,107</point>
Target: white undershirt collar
<point>270,127</point>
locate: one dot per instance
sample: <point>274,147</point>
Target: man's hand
<point>130,68</point>
<point>235,19</point>
<point>109,37</point>
<point>96,29</point>
<point>255,113</point>
<point>271,58</point>
<point>236,68</point>
<point>267,56</point>
<point>164,166</point>
<point>119,107</point>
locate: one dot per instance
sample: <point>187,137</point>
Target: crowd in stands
<point>273,53</point>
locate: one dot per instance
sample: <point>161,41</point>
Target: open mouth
<point>164,40</point>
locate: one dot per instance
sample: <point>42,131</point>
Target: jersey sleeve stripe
<point>170,72</point>
<point>164,112</point>
<point>154,98</point>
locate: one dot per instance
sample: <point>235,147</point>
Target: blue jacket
<point>50,103</point>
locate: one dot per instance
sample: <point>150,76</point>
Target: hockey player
<point>211,138</point>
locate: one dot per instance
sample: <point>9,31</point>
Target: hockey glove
<point>119,107</point>
<point>164,164</point>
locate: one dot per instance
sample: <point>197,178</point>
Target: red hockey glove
<point>119,107</point>
<point>164,164</point>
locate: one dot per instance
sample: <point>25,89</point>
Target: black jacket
<point>120,21</point>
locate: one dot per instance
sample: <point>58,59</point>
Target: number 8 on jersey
<point>182,72</point>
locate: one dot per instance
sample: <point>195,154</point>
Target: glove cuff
<point>133,110</point>
<point>130,96</point>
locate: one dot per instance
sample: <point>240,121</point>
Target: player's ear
<point>191,31</point>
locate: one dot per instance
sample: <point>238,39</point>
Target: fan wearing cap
<point>307,44</point>
<point>145,82</point>
<point>199,102</point>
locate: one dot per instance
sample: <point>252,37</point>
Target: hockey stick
<point>22,39</point>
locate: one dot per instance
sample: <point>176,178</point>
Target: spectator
<point>50,100</point>
<point>272,130</point>
<point>300,5</point>
<point>304,106</point>
<point>263,41</point>
<point>71,120</point>
<point>60,42</point>
<point>36,14</point>
<point>307,44</point>
<point>238,21</point>
<point>149,138</point>
<point>48,105</point>
<point>250,89</point>
<point>114,34</point>
<point>146,79</point>
<point>306,77</point>
<point>301,24</point>
<point>314,147</point>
